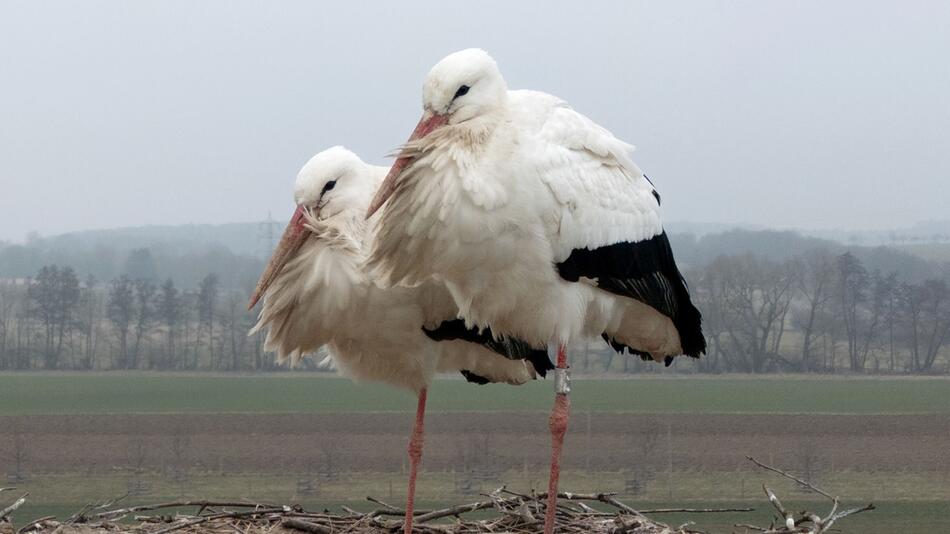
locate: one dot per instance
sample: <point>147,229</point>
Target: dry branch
<point>113,514</point>
<point>305,526</point>
<point>514,513</point>
<point>508,511</point>
<point>805,521</point>
<point>16,504</point>
<point>792,477</point>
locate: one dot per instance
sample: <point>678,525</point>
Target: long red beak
<point>427,124</point>
<point>294,236</point>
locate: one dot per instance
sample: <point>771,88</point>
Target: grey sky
<point>792,114</point>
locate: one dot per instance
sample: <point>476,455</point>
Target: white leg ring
<point>562,381</point>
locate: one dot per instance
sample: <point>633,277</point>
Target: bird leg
<point>415,455</point>
<point>558,426</point>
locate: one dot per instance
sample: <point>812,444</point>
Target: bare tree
<point>711,293</point>
<point>54,296</point>
<point>926,309</point>
<point>90,312</point>
<point>881,289</point>
<point>169,311</point>
<point>755,298</point>
<point>206,302</point>
<point>853,283</point>
<point>144,316</point>
<point>235,323</point>
<point>121,310</point>
<point>11,298</point>
<point>815,285</point>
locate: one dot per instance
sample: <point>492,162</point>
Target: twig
<point>16,504</point>
<point>33,523</point>
<point>381,503</point>
<point>791,524</point>
<point>792,477</point>
<point>750,527</point>
<point>111,514</point>
<point>605,498</point>
<point>456,510</point>
<point>694,510</point>
<point>305,526</point>
<point>776,503</point>
<point>834,517</point>
<point>228,515</point>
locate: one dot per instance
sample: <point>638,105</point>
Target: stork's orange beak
<point>427,124</point>
<point>294,236</point>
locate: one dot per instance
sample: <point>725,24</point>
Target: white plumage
<point>533,216</point>
<point>320,295</point>
<point>537,222</point>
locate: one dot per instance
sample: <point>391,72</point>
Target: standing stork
<point>538,223</point>
<point>316,293</point>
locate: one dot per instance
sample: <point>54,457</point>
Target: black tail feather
<point>509,347</point>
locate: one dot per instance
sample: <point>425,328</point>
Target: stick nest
<point>501,511</point>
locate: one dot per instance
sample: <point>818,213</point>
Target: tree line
<point>820,310</point>
<point>57,321</point>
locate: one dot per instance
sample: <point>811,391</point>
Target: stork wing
<point>443,324</point>
<point>601,197</point>
<point>604,223</point>
<point>314,292</point>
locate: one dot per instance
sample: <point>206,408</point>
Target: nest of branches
<point>500,511</point>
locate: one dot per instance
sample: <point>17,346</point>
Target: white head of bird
<point>465,92</point>
<point>463,86</point>
<point>334,184</point>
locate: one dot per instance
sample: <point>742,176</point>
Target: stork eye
<point>462,91</point>
<point>329,185</point>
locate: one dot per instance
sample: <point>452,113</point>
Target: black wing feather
<point>474,378</point>
<point>645,271</point>
<point>509,347</point>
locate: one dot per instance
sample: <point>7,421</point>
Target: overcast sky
<point>789,114</point>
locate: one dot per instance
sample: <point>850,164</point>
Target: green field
<point>102,393</point>
<point>908,500</point>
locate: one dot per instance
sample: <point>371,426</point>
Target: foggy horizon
<point>800,116</point>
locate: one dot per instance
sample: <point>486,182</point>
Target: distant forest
<point>173,298</point>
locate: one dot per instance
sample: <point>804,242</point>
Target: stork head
<point>464,90</point>
<point>464,86</point>
<point>334,183</point>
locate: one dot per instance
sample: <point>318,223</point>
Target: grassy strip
<point>101,393</point>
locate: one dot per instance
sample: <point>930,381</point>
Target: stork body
<point>317,293</point>
<point>536,220</point>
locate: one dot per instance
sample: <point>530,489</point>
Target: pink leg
<point>415,454</point>
<point>558,425</point>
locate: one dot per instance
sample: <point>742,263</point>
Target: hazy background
<point>143,147</point>
<point>808,115</point>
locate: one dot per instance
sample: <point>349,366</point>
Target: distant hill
<point>240,238</point>
<point>939,252</point>
<point>236,251</point>
<point>924,232</point>
<point>185,253</point>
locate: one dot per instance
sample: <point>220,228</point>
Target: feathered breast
<point>303,308</point>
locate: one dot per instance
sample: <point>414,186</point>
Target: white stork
<point>315,293</point>
<point>536,220</point>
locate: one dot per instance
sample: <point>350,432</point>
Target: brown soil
<point>377,442</point>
